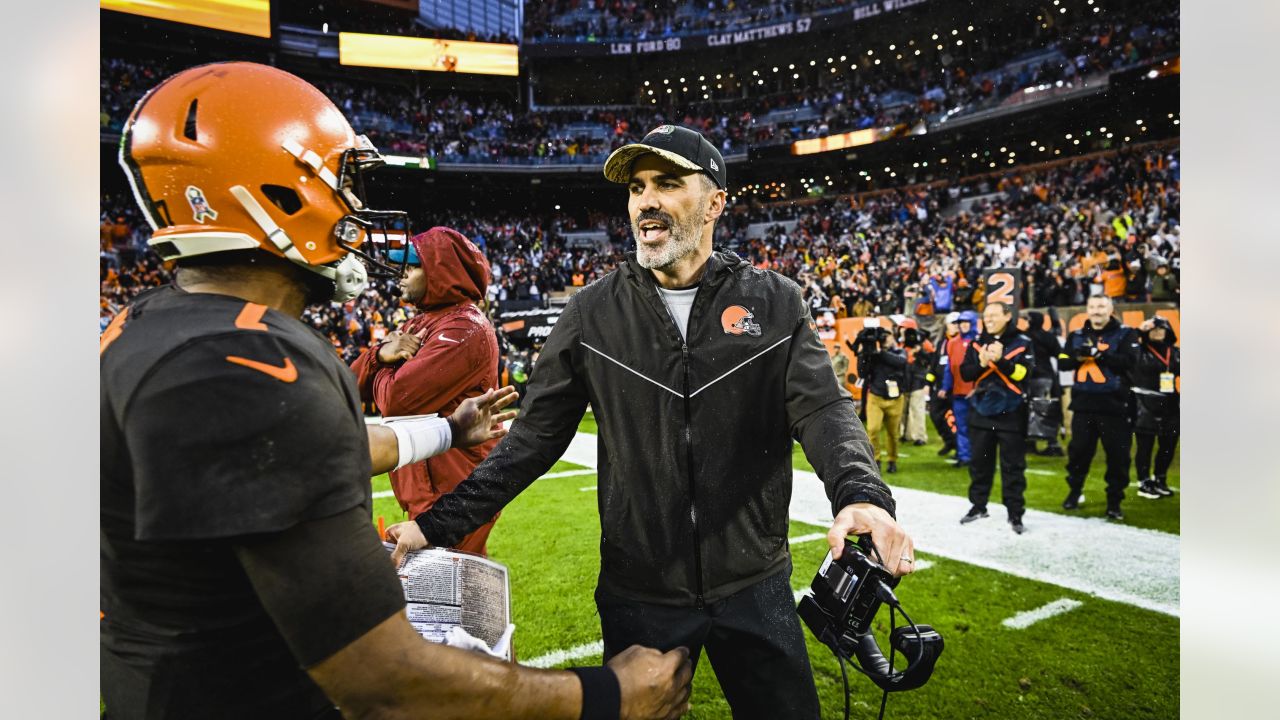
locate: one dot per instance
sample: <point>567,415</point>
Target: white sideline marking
<point>1026,619</point>
<point>383,494</point>
<point>1034,471</point>
<point>569,473</point>
<point>576,652</point>
<point>807,538</point>
<point>1113,561</point>
<point>589,488</point>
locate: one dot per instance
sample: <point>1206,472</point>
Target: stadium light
<point>830,60</point>
<point>1063,10</point>
<point>717,76</point>
<point>325,28</point>
<point>1004,149</point>
<point>792,66</point>
<point>877,61</point>
<point>775,68</point>
<point>666,81</point>
<point>853,67</point>
<point>1139,122</point>
<point>955,32</point>
<point>871,52</point>
<point>812,63</point>
<point>701,78</point>
<point>1068,136</point>
<point>795,76</point>
<point>939,47</point>
<point>970,28</point>
<point>917,51</point>
<point>893,47</point>
<point>1102,129</point>
<point>843,58</point>
<point>959,42</point>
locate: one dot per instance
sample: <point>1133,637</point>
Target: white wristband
<point>419,437</point>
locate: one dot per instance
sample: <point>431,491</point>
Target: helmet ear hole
<point>282,197</point>
<point>189,127</point>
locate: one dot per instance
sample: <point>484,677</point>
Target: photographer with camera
<point>1156,389</point>
<point>998,363</point>
<point>1102,353</point>
<point>920,360</point>
<point>882,367</point>
<point>1043,388</point>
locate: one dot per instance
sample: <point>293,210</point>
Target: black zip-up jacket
<point>695,438</point>
<point>998,400</point>
<point>1102,381</point>
<point>1155,358</point>
<point>886,365</point>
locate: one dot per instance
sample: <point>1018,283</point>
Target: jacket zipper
<point>693,497</point>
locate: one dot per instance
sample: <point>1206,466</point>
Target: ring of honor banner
<point>1003,285</point>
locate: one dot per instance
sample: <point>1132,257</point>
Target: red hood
<point>457,271</point>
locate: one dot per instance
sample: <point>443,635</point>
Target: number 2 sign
<point>1003,285</point>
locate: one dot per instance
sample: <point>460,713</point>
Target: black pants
<point>1164,455</point>
<point>943,421</point>
<point>753,639</point>
<point>1012,446</point>
<point>1114,431</point>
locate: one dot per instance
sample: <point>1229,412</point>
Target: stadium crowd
<point>455,129</point>
<point>1106,224</point>
<point>598,19</point>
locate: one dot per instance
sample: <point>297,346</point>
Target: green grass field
<point>1102,660</point>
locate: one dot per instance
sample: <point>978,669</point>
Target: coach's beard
<point>682,240</point>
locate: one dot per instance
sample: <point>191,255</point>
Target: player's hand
<point>1147,325</point>
<point>400,346</point>
<point>407,536</point>
<point>478,419</point>
<point>942,394</point>
<point>891,541</point>
<point>654,684</point>
<point>996,350</point>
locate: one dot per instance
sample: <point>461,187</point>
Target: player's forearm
<point>392,673</point>
<point>384,451</point>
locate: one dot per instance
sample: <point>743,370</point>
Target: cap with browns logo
<point>680,146</point>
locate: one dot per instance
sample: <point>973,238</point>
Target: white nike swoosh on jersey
<point>442,337</point>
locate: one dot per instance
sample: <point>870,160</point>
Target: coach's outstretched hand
<point>407,536</point>
<point>892,542</point>
<point>654,684</point>
<point>478,419</point>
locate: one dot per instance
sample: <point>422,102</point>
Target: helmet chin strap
<point>349,275</point>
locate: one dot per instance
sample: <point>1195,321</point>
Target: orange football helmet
<point>240,156</point>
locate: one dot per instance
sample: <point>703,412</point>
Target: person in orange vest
<point>1102,353</point>
<point>944,420</point>
<point>998,362</point>
<point>956,387</point>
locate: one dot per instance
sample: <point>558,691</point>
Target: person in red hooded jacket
<point>441,356</point>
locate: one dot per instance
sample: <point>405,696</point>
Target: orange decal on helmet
<point>737,320</point>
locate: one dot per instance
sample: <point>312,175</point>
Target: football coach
<point>701,370</point>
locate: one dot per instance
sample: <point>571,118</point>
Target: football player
<point>241,576</point>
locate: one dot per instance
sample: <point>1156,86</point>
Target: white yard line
<point>1034,471</point>
<point>1026,619</point>
<point>1088,554</point>
<point>557,657</point>
<point>1109,560</point>
<point>589,488</point>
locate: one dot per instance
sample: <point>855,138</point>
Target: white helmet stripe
<point>312,159</point>
<point>274,232</point>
